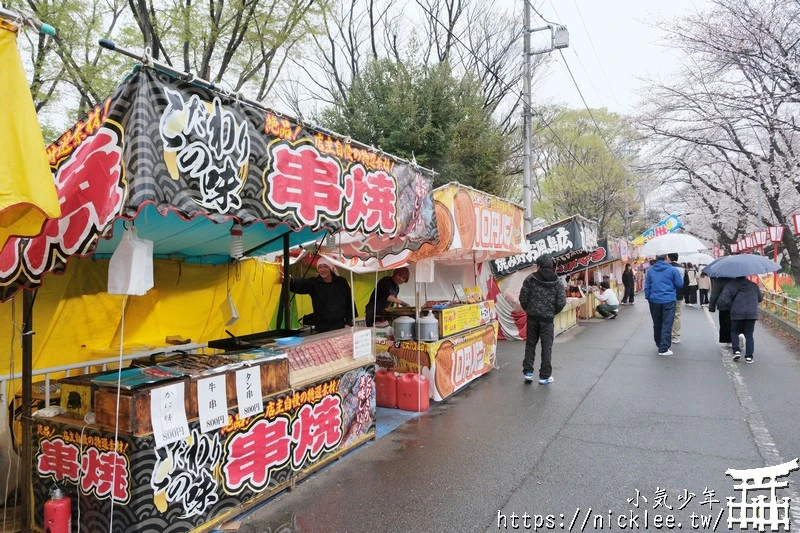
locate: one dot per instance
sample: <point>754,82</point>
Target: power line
<point>575,83</point>
<point>580,93</point>
<point>501,81</point>
<point>600,63</point>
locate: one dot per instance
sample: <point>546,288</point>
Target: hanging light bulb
<point>237,248</point>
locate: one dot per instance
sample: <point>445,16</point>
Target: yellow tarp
<point>77,321</point>
<point>27,191</point>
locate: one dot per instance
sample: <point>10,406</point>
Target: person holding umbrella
<point>741,297</point>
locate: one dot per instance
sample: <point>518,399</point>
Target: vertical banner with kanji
<point>190,482</point>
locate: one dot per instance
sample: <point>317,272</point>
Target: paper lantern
<point>776,233</point>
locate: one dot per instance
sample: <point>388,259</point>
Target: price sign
<point>212,402</point>
<point>248,391</point>
<point>167,414</point>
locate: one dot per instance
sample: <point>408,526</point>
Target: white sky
<point>613,43</point>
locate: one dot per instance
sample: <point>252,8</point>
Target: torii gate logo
<point>759,512</point>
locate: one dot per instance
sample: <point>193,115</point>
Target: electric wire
<point>599,63</point>
<point>500,80</point>
<point>591,115</point>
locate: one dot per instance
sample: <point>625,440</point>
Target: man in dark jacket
<point>741,296</point>
<point>660,285</point>
<point>330,297</point>
<point>542,297</point>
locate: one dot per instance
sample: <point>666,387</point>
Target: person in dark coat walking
<point>741,296</point>
<point>542,297</point>
<point>627,282</point>
<point>717,287</point>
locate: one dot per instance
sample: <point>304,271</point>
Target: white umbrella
<point>695,258</point>
<point>680,243</point>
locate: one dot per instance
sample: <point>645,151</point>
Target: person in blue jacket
<point>660,284</point>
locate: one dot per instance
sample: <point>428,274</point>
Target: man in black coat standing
<point>542,297</point>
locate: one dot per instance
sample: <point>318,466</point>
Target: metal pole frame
<point>527,193</point>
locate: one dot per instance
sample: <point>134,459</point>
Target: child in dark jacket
<point>542,297</point>
<point>741,296</point>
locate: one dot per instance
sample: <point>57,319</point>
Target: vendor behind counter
<point>386,293</point>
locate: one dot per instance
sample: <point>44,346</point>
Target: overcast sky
<point>613,43</point>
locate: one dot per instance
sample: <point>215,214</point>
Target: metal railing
<point>85,367</point>
<point>786,307</point>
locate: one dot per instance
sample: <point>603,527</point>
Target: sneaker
<point>612,317</point>
<point>528,376</point>
<point>676,340</point>
<point>668,352</point>
<point>736,355</point>
<point>546,381</point>
<point>747,359</point>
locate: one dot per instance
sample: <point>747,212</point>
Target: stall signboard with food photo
<point>473,223</point>
<point>448,363</point>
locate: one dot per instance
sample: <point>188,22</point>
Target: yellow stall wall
<point>75,320</point>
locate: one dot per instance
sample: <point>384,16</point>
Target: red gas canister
<point>58,513</point>
<point>413,392</point>
<point>386,388</point>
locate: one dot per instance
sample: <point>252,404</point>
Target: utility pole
<point>559,38</point>
<point>527,193</point>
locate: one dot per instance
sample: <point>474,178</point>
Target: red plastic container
<point>386,388</point>
<point>413,392</point>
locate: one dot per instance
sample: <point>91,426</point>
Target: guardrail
<point>786,307</point>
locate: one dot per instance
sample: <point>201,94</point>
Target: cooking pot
<point>428,328</point>
<point>403,328</point>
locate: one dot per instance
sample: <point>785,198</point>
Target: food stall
<point>571,242</point>
<point>474,227</point>
<point>181,443</point>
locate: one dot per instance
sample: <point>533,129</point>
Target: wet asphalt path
<point>618,419</point>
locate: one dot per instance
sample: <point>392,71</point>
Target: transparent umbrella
<point>680,243</point>
<point>696,258</point>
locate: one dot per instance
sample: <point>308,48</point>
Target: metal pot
<point>428,328</point>
<point>403,328</point>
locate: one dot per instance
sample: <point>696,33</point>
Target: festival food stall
<point>182,442</point>
<point>474,227</point>
<point>571,242</point>
<point>608,259</point>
